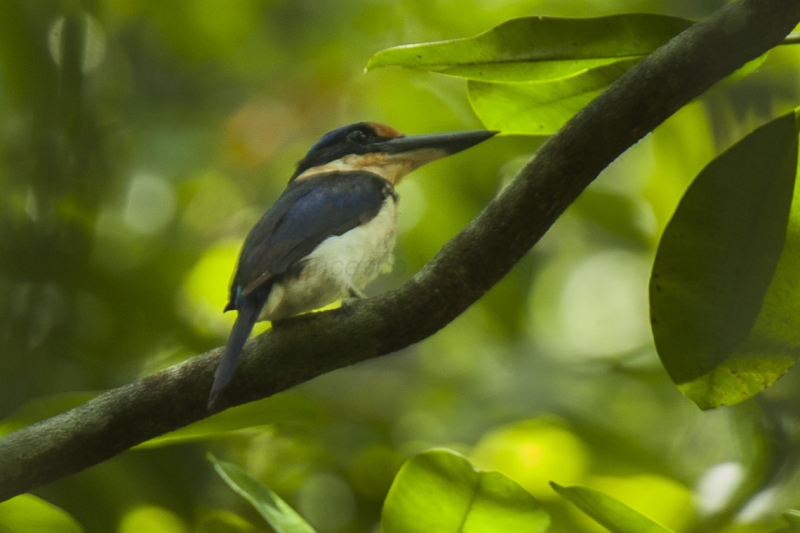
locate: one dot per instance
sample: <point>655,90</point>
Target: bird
<point>331,231</point>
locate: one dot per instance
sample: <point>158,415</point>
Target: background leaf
<point>30,514</point>
<point>275,511</point>
<point>440,490</point>
<point>282,408</point>
<point>273,410</point>
<point>715,265</point>
<point>153,519</point>
<point>612,514</point>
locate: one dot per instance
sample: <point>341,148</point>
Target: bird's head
<point>382,150</point>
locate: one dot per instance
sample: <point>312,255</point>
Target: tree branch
<point>463,270</point>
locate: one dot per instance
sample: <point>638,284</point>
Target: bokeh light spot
<point>413,205</point>
<point>205,291</point>
<point>601,306</point>
<point>150,204</point>
<point>533,453</point>
<point>717,486</point>
<point>94,42</point>
<point>152,519</point>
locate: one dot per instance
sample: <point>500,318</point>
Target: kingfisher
<point>331,231</point>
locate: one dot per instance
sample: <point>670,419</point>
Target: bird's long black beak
<point>394,158</point>
<point>445,143</point>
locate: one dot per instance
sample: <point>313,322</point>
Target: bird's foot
<point>347,302</point>
<point>356,293</point>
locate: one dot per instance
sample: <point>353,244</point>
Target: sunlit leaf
<point>222,521</point>
<point>539,48</point>
<point>724,311</point>
<point>275,511</point>
<point>747,69</point>
<point>792,516</point>
<point>30,514</point>
<point>610,513</point>
<point>42,408</point>
<point>153,519</point>
<point>682,147</point>
<point>280,408</point>
<point>660,498</point>
<point>440,490</point>
<point>540,108</point>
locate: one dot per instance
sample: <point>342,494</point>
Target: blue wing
<point>307,213</point>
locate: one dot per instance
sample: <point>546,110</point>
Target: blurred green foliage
<point>140,140</point>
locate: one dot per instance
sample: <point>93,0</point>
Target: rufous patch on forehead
<point>385,132</point>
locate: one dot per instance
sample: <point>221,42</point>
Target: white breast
<point>352,259</point>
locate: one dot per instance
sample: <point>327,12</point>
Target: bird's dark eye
<point>357,136</point>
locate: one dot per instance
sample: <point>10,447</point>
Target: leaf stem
<point>792,38</point>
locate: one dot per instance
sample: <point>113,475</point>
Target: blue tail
<point>248,314</point>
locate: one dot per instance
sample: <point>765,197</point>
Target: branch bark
<point>463,270</point>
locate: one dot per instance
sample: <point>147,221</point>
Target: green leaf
<point>792,516</point>
<point>440,490</point>
<point>29,514</point>
<point>540,108</point>
<point>724,305</point>
<point>538,48</point>
<point>223,521</point>
<point>275,511</point>
<point>281,408</point>
<point>608,512</point>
